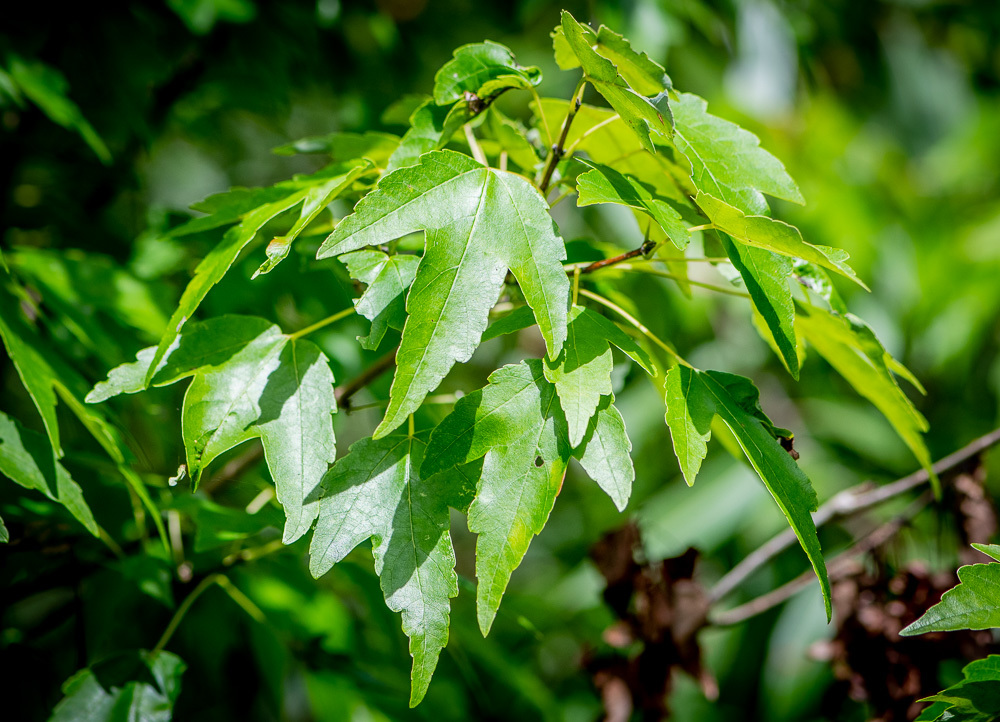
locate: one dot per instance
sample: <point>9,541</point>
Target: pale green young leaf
<point>388,279</point>
<point>484,69</point>
<point>974,603</point>
<point>766,277</point>
<point>128,686</point>
<point>772,235</point>
<point>605,453</point>
<point>975,699</point>
<point>727,161</point>
<point>606,185</point>
<point>641,114</point>
<point>376,491</point>
<point>643,75</point>
<point>343,147</point>
<point>26,459</point>
<point>694,398</point>
<point>513,425</point>
<point>479,222</point>
<point>850,346</point>
<point>214,266</point>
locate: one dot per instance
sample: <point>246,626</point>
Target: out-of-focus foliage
<point>115,119</point>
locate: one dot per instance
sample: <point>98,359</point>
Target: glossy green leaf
<point>512,424</point>
<point>388,279</point>
<point>511,139</point>
<point>343,147</point>
<point>520,318</point>
<point>26,459</point>
<point>377,491</point>
<point>430,129</point>
<point>851,347</point>
<point>606,185</point>
<point>606,453</point>
<point>307,190</point>
<point>479,222</point>
<point>250,381</point>
<point>975,699</point>
<point>484,69</point>
<point>766,277</point>
<point>974,603</point>
<point>641,114</point>
<point>727,161</point>
<point>693,398</point>
<point>47,88</point>
<point>771,235</point>
<point>643,75</point>
<point>990,550</point>
<point>130,687</point>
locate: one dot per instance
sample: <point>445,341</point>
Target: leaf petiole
<point>320,324</point>
<point>635,322</point>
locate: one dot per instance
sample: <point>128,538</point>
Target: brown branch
<point>850,501</point>
<point>344,393</point>
<point>644,250</point>
<point>559,148</point>
<point>838,568</point>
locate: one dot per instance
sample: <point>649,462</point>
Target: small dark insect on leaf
<point>787,444</point>
<point>475,104</point>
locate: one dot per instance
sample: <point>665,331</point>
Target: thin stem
<point>559,199</point>
<point>705,227</point>
<point>245,603</point>
<point>183,610</point>
<point>477,151</point>
<point>409,426</point>
<point>646,248</point>
<point>344,393</point>
<point>838,568</point>
<point>503,160</point>
<point>590,131</point>
<point>443,399</point>
<point>541,114</point>
<point>320,324</point>
<point>248,555</point>
<point>556,153</point>
<point>576,284</point>
<point>846,503</point>
<point>635,322</point>
<point>110,543</point>
<point>675,277</point>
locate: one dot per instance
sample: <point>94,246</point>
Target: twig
<point>850,501</point>
<point>838,568</point>
<point>644,250</point>
<point>344,393</point>
<point>557,150</point>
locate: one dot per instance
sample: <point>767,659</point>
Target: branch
<point>838,568</point>
<point>557,150</point>
<point>344,393</point>
<point>644,250</point>
<point>850,501</point>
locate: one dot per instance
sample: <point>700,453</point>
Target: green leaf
<point>581,373</point>
<point>607,185</point>
<point>974,603</point>
<point>771,235</point>
<point>975,699</point>
<point>520,318</point>
<point>727,161</point>
<point>26,459</point>
<point>643,75</point>
<point>4,534</point>
<point>343,147</point>
<point>308,190</point>
<point>511,139</point>
<point>485,69</point>
<point>376,491</point>
<point>47,88</point>
<point>990,550</point>
<point>693,398</point>
<point>605,453</point>
<point>250,381</point>
<point>383,302</point>
<point>479,222</point>
<point>133,686</point>
<point>851,347</point>
<point>430,129</point>
<point>643,115</point>
<point>46,377</point>
<point>513,426</point>
<point>766,277</point>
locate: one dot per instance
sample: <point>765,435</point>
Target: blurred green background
<point>887,113</point>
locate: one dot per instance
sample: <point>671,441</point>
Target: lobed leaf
<point>478,223</point>
<point>605,454</point>
<point>484,69</point>
<point>694,398</point>
<point>975,699</point>
<point>644,75</point>
<point>376,491</point>
<point>971,604</point>
<point>383,302</point>
<point>641,114</point>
